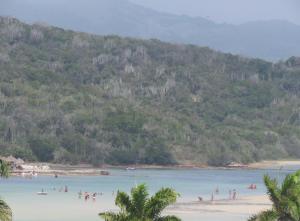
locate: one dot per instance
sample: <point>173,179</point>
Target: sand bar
<point>228,209</point>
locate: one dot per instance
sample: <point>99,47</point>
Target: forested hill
<point>74,97</point>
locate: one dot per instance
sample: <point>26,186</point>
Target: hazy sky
<point>230,11</point>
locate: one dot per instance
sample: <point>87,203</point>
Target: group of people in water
<point>232,193</point>
<point>87,195</point>
<point>64,189</point>
<point>252,187</point>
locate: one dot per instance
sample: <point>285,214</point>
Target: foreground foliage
<point>285,199</point>
<point>139,207</point>
<point>5,211</point>
<point>73,97</point>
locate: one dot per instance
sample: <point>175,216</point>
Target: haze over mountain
<point>265,39</point>
<point>229,11</point>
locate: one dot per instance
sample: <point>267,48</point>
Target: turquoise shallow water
<point>21,194</point>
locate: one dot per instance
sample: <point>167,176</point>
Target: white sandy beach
<point>228,210</point>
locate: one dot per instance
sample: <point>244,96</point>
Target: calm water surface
<point>21,194</point>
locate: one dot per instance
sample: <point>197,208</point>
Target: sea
<point>21,193</point>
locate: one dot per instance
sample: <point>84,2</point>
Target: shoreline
<point>277,164</point>
<point>256,165</point>
<point>266,164</point>
<point>89,170</point>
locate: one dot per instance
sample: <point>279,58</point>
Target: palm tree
<point>4,169</point>
<point>285,199</point>
<point>5,211</point>
<point>139,207</point>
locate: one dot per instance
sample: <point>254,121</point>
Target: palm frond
<point>139,197</point>
<point>160,201</point>
<point>290,210</point>
<point>269,215</point>
<point>110,216</point>
<point>138,207</point>
<point>4,169</point>
<point>289,181</point>
<point>123,201</point>
<point>168,218</point>
<point>273,191</point>
<point>5,211</point>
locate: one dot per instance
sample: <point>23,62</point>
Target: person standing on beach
<point>217,191</point>
<point>94,196</point>
<point>234,195</point>
<point>86,196</point>
<point>230,195</point>
<point>212,196</point>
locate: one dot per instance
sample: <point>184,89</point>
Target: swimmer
<point>94,196</point>
<point>79,194</point>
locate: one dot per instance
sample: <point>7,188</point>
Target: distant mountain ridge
<point>270,40</point>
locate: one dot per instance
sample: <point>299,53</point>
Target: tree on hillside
<point>285,199</point>
<point>139,207</point>
<point>5,211</point>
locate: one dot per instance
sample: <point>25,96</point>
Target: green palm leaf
<point>4,169</point>
<point>160,201</point>
<point>285,199</point>
<point>273,191</point>
<point>269,215</point>
<point>5,212</point>
<point>123,201</point>
<point>138,206</point>
<point>109,216</point>
<point>169,218</point>
<point>139,197</point>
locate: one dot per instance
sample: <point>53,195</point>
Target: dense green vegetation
<point>140,207</point>
<point>74,97</point>
<point>285,199</point>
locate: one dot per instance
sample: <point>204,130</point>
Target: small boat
<point>42,193</point>
<point>104,173</point>
<point>130,168</point>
